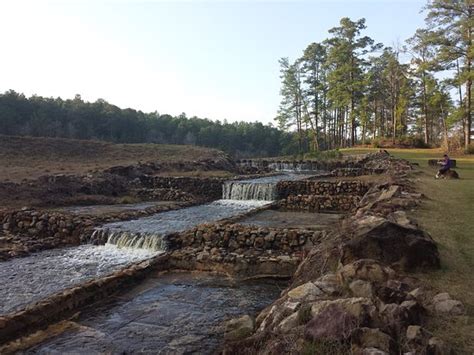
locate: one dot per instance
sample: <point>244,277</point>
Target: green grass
<point>447,213</point>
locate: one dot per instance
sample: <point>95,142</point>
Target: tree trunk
<point>425,110</point>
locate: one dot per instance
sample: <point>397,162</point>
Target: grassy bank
<point>447,213</point>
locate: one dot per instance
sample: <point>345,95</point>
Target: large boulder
<point>239,328</point>
<point>372,338</point>
<point>332,323</point>
<point>365,269</point>
<point>443,304</point>
<point>390,243</point>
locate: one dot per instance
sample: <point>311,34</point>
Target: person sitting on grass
<point>445,166</point>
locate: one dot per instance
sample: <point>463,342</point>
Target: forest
<point>344,91</point>
<point>349,90</point>
<point>78,119</point>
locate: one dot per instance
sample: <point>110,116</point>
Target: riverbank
<point>446,213</point>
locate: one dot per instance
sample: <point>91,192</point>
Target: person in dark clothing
<point>445,166</point>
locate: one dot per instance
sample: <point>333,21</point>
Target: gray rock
<point>239,328</point>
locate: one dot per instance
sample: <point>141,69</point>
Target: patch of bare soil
<point>31,157</point>
<point>63,172</point>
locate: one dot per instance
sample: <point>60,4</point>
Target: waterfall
<point>305,166</point>
<point>242,190</point>
<point>148,241</point>
<point>126,239</point>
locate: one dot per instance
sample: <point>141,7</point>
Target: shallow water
<point>29,279</point>
<point>174,313</point>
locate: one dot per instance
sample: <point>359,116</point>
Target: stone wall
<point>352,172</point>
<point>320,195</point>
<point>317,203</point>
<point>209,188</point>
<point>240,239</point>
<point>321,187</point>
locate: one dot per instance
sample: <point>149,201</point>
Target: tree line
<point>78,119</point>
<point>347,89</point>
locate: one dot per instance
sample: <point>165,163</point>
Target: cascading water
<point>148,232</point>
<point>262,189</point>
<point>242,190</point>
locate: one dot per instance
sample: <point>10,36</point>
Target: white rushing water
<point>41,274</point>
<point>148,232</point>
<point>263,189</point>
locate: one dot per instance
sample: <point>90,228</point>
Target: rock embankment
<point>352,293</point>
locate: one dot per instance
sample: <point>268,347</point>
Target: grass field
<point>447,214</point>
<point>30,157</point>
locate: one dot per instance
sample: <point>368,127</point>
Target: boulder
<point>390,243</point>
<point>331,323</point>
<point>372,338</point>
<point>288,323</point>
<point>438,347</point>
<point>360,288</point>
<point>239,328</point>
<point>308,292</point>
<point>449,307</point>
<point>365,269</point>
<point>361,308</point>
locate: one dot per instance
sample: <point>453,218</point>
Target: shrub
<point>469,149</point>
<point>400,142</point>
<point>323,154</point>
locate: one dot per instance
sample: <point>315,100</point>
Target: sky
<point>211,59</point>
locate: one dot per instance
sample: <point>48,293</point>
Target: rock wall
<point>241,251</point>
<point>320,195</point>
<point>208,188</point>
<point>321,187</point>
<point>240,239</point>
<point>318,203</point>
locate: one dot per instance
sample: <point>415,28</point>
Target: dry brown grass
<point>30,157</point>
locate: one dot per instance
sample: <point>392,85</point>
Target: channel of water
<point>174,313</point>
<point>187,304</point>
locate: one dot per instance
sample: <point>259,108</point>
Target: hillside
<point>30,157</point>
